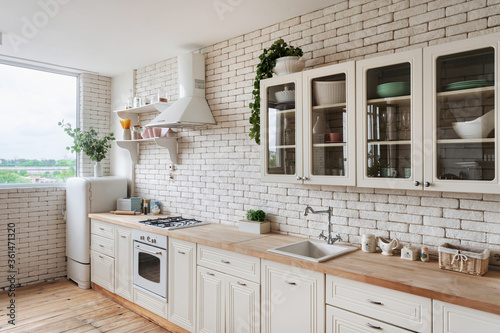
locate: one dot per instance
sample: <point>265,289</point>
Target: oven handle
<point>138,247</point>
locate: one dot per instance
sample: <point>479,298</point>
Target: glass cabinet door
<point>280,115</point>
<point>390,120</point>
<point>463,117</point>
<point>329,125</point>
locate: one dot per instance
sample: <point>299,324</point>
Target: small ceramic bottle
<point>368,243</point>
<point>424,255</point>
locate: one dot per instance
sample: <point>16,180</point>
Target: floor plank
<point>61,306</point>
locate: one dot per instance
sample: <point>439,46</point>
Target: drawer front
<point>103,229</point>
<point>150,302</point>
<point>394,307</point>
<point>450,318</point>
<point>103,270</point>
<point>341,321</point>
<point>239,265</point>
<point>103,245</point>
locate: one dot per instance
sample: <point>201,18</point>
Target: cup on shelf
<point>147,133</point>
<point>126,134</point>
<point>333,137</point>
<point>389,172</point>
<point>156,132</point>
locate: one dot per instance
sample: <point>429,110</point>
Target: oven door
<point>150,268</point>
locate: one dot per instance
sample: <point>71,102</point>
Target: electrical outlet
<point>495,258</point>
<point>171,167</point>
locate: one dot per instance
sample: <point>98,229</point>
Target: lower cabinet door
<point>210,301</point>
<point>341,321</point>
<point>102,270</point>
<point>124,257</point>
<point>181,283</point>
<point>450,318</point>
<point>242,306</point>
<point>293,299</point>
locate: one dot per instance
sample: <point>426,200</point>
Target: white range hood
<point>191,109</point>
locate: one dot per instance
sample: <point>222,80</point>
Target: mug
<point>388,172</point>
<point>387,246</point>
<point>407,172</point>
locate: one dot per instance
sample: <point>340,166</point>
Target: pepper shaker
<point>424,255</point>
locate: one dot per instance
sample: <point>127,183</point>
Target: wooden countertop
<point>414,277</point>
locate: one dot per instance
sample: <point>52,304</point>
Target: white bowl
<point>329,92</point>
<point>285,96</point>
<point>477,128</point>
<point>287,65</point>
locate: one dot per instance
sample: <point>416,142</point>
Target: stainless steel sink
<point>313,250</point>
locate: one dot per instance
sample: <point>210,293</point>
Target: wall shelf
<point>158,107</point>
<point>133,147</point>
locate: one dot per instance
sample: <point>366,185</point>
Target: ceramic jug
<point>387,246</point>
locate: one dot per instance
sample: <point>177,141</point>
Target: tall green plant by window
<point>88,142</point>
<point>265,70</point>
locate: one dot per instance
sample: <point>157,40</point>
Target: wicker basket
<point>463,259</point>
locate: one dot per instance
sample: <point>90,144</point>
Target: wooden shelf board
<point>466,92</point>
<point>333,144</point>
<point>390,100</point>
<point>452,141</point>
<point>329,106</point>
<point>285,147</point>
<point>386,143</point>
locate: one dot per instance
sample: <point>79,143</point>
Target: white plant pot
<point>287,65</point>
<point>97,169</point>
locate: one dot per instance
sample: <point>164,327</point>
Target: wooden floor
<point>61,306</point>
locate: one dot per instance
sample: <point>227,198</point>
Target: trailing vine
<point>265,70</point>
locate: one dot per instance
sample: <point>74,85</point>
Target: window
<point>33,146</point>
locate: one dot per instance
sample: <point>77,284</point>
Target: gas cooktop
<point>173,222</point>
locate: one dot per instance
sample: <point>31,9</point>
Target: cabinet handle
<point>123,236</point>
<point>373,326</point>
<point>416,183</point>
<point>225,261</point>
<point>101,228</point>
<point>427,184</point>
<point>299,178</point>
<point>305,178</point>
<point>374,302</point>
<point>101,257</point>
<point>241,283</point>
<point>291,283</point>
<point>181,252</point>
<point>101,245</point>
<point>211,274</point>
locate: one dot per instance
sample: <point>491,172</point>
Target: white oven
<point>150,263</point>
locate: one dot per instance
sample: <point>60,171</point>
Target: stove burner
<point>173,222</point>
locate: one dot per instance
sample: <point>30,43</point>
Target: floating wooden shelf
<point>158,107</point>
<point>133,147</point>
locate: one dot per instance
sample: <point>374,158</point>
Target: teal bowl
<point>393,89</point>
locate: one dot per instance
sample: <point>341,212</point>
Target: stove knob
<point>149,239</point>
<point>142,237</point>
<point>154,241</point>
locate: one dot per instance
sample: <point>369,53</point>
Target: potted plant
<point>255,223</point>
<point>286,59</point>
<point>88,142</point>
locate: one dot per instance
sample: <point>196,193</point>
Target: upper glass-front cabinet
<point>460,115</point>
<point>281,128</point>
<point>329,125</point>
<point>389,106</point>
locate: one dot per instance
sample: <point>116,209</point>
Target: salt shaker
<point>368,243</point>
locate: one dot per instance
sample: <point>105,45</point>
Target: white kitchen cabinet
<point>389,119</point>
<point>308,127</point>
<point>293,299</point>
<point>450,318</point>
<point>103,270</point>
<point>182,283</point>
<point>124,262</point>
<point>242,305</point>
<point>341,321</point>
<point>462,86</point>
<point>210,301</point>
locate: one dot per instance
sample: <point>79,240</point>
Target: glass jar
<point>289,137</point>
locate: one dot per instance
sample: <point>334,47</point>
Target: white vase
<point>320,125</point>
<point>287,65</point>
<point>97,169</point>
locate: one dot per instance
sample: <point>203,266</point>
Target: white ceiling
<point>110,37</point>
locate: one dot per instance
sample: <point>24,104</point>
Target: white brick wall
<point>40,233</point>
<point>217,178</point>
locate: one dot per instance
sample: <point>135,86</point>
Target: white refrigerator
<point>85,195</point>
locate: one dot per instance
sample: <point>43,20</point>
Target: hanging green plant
<point>265,70</point>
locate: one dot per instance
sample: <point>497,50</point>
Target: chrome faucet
<point>330,240</point>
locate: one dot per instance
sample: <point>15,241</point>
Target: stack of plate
<point>470,84</point>
<point>393,89</point>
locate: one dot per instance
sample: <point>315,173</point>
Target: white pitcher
<point>387,246</point>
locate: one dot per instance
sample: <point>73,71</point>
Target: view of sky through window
<point>33,146</point>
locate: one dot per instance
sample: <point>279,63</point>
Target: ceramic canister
<point>368,243</point>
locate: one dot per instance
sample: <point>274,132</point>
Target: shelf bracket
<point>171,145</point>
<point>132,147</point>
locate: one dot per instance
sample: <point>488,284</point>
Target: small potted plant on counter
<point>90,143</point>
<point>255,223</point>
<point>280,59</point>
